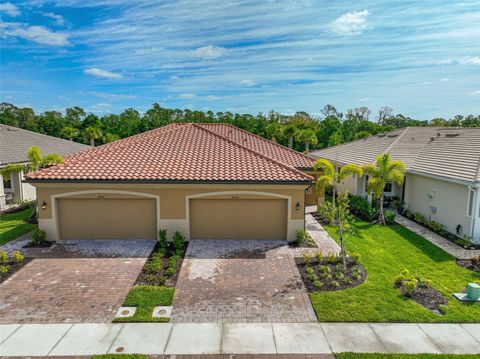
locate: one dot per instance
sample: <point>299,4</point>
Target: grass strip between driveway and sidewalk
<point>146,298</point>
<point>385,252</point>
<point>404,356</point>
<point>13,225</point>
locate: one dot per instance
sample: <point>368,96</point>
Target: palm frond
<point>349,170</point>
<point>325,166</point>
<point>6,172</point>
<point>397,176</point>
<point>323,182</point>
<point>376,186</point>
<point>370,169</point>
<point>397,166</point>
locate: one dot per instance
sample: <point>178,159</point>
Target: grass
<point>13,225</point>
<point>403,356</point>
<point>145,298</point>
<point>385,251</point>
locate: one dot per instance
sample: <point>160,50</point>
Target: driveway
<point>73,287</point>
<point>240,281</point>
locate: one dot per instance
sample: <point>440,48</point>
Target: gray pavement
<point>236,338</point>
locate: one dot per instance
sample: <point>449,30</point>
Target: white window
<point>470,203</point>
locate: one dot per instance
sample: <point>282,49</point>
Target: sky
<point>422,58</point>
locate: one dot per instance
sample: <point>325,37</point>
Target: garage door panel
<point>238,218</point>
<point>107,218</point>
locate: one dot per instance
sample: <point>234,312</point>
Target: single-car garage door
<point>238,218</point>
<point>115,218</point>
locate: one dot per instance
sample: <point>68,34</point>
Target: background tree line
<point>299,131</point>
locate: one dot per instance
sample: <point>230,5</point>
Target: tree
<point>331,178</point>
<point>384,114</point>
<point>307,136</point>
<point>290,132</point>
<point>344,225</point>
<point>93,133</point>
<point>69,133</point>
<point>110,137</point>
<point>35,162</point>
<point>382,172</point>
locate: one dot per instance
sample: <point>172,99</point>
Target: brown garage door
<point>238,218</point>
<point>96,218</point>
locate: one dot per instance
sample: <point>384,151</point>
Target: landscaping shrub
<point>39,236</point>
<point>361,208</point>
<point>163,240</point>
<point>328,212</point>
<point>4,269</point>
<point>355,256</point>
<point>319,256</point>
<point>419,218</point>
<point>178,242</point>
<point>435,226</point>
<point>18,257</point>
<point>390,217</point>
<point>4,258</point>
<point>302,238</point>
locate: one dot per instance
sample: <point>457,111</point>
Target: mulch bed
<point>333,278</point>
<point>429,297</point>
<point>45,244</point>
<point>319,218</point>
<point>472,264</point>
<point>13,268</point>
<point>155,271</point>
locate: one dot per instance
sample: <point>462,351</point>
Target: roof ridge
<point>284,165</point>
<point>82,156</point>
<point>257,136</point>
<point>425,144</point>
<point>44,135</point>
<point>405,130</point>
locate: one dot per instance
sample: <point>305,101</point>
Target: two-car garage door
<point>112,218</point>
<point>238,218</point>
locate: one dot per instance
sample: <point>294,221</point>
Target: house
<point>205,180</point>
<point>14,144</point>
<point>443,172</point>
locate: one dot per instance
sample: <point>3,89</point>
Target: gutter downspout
<point>475,211</point>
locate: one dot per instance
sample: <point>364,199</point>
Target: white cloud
<point>9,9</point>
<point>470,60</point>
<point>247,82</point>
<point>365,99</point>
<point>59,20</point>
<point>38,34</point>
<point>113,96</point>
<point>351,23</point>
<point>475,93</point>
<point>209,52</point>
<point>95,71</point>
<point>212,98</point>
<point>445,79</point>
<point>187,95</point>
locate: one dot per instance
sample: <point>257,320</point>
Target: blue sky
<point>422,58</point>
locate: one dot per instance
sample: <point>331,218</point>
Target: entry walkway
<point>236,338</point>
<point>449,247</point>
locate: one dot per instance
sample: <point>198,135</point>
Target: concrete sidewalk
<point>237,338</point>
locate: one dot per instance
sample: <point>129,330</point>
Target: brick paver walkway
<point>68,290</point>
<point>321,237</point>
<point>240,281</point>
<point>449,247</point>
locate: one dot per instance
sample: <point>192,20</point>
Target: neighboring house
<point>205,180</point>
<point>14,144</point>
<point>443,172</point>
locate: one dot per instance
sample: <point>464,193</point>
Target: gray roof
<point>14,143</point>
<point>452,153</point>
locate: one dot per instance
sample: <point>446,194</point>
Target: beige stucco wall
<point>449,199</point>
<point>172,200</point>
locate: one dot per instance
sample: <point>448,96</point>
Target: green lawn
<point>13,225</point>
<point>145,298</point>
<point>385,251</point>
<point>404,356</point>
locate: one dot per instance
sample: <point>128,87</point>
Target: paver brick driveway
<point>56,290</point>
<point>240,281</point>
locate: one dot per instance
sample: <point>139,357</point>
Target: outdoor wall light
<point>44,205</point>
<point>298,206</point>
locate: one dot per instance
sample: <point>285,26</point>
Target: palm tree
<point>93,133</point>
<point>69,133</point>
<point>382,172</point>
<point>331,177</point>
<point>35,161</point>
<point>308,136</point>
<point>290,131</point>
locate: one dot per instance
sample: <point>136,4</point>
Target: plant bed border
<point>327,287</point>
<point>14,267</point>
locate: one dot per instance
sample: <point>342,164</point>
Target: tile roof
<point>180,152</point>
<point>14,143</point>
<point>441,151</point>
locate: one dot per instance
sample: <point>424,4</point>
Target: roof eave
<point>460,181</point>
<point>173,181</point>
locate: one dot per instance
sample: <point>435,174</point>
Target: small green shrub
<point>404,274</point>
<point>4,269</point>
<point>335,284</point>
<point>419,218</point>
<point>328,211</point>
<point>309,270</point>
<point>409,286</point>
<point>173,261</point>
<point>170,271</point>
<point>347,281</point>
<point>178,242</point>
<point>356,276</point>
<point>356,257</point>
<point>332,258</point>
<point>39,236</point>
<point>306,258</point>
<point>317,283</point>
<point>339,276</point>
<point>312,277</point>
<point>18,257</point>
<point>361,208</point>
<point>339,267</point>
<point>163,240</point>
<point>4,258</point>
<point>319,256</point>
<point>389,217</point>
<point>324,269</point>
<point>327,276</point>
<point>435,226</point>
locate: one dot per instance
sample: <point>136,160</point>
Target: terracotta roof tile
<point>178,152</point>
